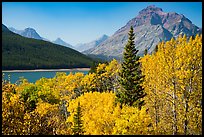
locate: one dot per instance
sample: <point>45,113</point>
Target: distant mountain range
<point>151,26</point>
<point>20,52</point>
<point>86,46</point>
<point>31,33</point>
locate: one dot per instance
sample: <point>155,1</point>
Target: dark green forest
<point>23,53</point>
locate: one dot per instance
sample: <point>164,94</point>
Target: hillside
<point>26,53</point>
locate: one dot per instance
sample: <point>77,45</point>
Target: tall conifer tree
<point>145,52</point>
<point>77,128</point>
<point>131,92</point>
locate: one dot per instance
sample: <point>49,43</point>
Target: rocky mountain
<point>59,41</point>
<point>31,33</point>
<point>28,32</point>
<point>151,26</point>
<point>86,46</point>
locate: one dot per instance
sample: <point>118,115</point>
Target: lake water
<point>34,76</point>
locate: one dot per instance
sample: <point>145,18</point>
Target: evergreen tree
<point>77,128</point>
<point>145,52</point>
<point>93,67</point>
<point>156,49</point>
<point>131,92</point>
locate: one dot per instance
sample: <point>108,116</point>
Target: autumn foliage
<point>173,102</point>
<point>173,82</point>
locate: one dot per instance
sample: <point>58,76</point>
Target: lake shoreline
<point>46,70</point>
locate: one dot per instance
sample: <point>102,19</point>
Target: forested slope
<point>25,53</point>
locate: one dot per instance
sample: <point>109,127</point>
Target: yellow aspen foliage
<point>9,88</point>
<point>104,79</point>
<point>88,83</point>
<point>68,85</point>
<point>132,121</point>
<point>112,70</point>
<point>101,115</point>
<point>45,119</point>
<point>12,114</point>
<point>47,90</point>
<point>112,67</point>
<point>96,112</point>
<point>44,108</point>
<point>173,83</point>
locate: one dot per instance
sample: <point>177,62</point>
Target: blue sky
<point>81,22</point>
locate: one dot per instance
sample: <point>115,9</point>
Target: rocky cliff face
<point>151,26</point>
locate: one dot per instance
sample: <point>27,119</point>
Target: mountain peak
<point>27,32</point>
<point>58,39</point>
<point>104,36</point>
<point>101,39</point>
<point>30,29</point>
<point>151,8</point>
<point>30,33</point>
<point>82,47</point>
<point>154,8</point>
